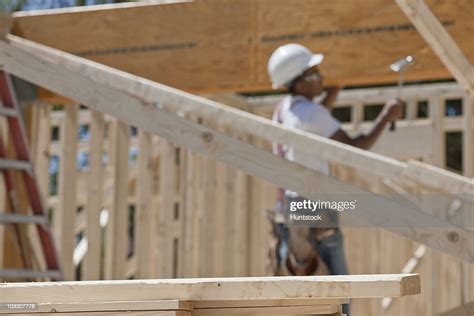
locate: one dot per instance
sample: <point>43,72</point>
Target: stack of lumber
<point>311,295</point>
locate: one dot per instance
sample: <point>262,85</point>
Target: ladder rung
<point>8,218</point>
<point>15,164</point>
<point>29,274</point>
<point>7,112</point>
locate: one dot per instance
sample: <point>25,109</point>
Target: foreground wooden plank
<point>199,289</point>
<point>134,100</point>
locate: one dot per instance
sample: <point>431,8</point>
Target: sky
<point>47,4</point>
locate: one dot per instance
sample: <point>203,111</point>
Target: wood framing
<point>117,228</point>
<point>63,220</point>
<point>463,310</point>
<point>209,46</point>
<point>436,35</point>
<point>6,22</point>
<point>243,122</point>
<point>92,259</point>
<point>215,289</point>
<point>202,297</point>
<point>146,216</point>
<point>167,187</point>
<point>140,103</point>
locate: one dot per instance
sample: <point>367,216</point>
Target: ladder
<point>23,165</point>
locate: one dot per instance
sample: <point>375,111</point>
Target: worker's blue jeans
<point>331,251</point>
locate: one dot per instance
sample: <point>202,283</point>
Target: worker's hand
<point>393,109</point>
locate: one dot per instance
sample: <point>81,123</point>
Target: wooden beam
<point>208,46</point>
<point>436,35</point>
<point>242,122</point>
<point>109,91</point>
<point>202,289</point>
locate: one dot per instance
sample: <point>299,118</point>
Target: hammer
<point>399,66</point>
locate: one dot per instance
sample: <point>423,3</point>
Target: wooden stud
<point>93,231</point>
<point>146,220</point>
<point>165,215</point>
<point>65,214</point>
<point>6,22</point>
<point>117,229</point>
<point>436,113</point>
<point>3,196</point>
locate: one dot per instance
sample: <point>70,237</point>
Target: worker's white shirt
<point>299,112</point>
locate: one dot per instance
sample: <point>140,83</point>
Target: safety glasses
<point>315,76</point>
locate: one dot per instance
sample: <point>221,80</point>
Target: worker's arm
<point>331,96</point>
<point>391,112</point>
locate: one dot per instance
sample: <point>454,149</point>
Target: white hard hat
<point>289,61</point>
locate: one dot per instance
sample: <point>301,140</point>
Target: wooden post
<point>5,24</point>
<point>165,216</point>
<point>92,259</point>
<point>436,113</point>
<point>117,232</point>
<point>43,141</point>
<point>182,190</point>
<point>65,215</point>
<point>146,219</point>
<point>208,224</point>
<point>467,270</point>
<point>3,196</point>
<point>223,209</point>
<point>189,213</point>
<point>468,137</point>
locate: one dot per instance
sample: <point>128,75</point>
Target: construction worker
<point>294,67</point>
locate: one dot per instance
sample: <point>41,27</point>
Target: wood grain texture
<point>199,289</point>
<point>439,39</point>
<point>64,226</point>
<point>209,46</point>
<point>92,259</point>
<point>115,93</point>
